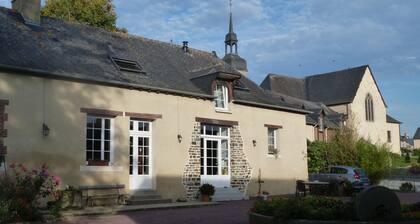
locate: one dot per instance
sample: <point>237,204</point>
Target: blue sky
<point>299,38</point>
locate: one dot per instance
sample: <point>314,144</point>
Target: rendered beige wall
<point>64,149</point>
<point>417,143</point>
<point>310,133</point>
<point>375,131</point>
<point>395,137</point>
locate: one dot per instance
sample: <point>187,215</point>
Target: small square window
<point>127,65</point>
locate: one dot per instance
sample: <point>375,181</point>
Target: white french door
<point>140,156</point>
<point>215,160</point>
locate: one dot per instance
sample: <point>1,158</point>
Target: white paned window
<point>214,150</point>
<point>272,141</point>
<point>98,139</point>
<point>221,94</point>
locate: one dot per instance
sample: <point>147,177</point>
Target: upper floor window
<point>98,140</point>
<point>221,94</point>
<point>369,108</point>
<point>272,141</point>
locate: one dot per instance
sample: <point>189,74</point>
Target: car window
<point>338,170</point>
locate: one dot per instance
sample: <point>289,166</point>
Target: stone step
<point>143,197</point>
<point>228,194</point>
<point>143,192</point>
<point>147,201</point>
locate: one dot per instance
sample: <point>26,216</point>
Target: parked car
<point>354,175</point>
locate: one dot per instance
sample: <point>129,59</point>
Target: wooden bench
<point>90,197</point>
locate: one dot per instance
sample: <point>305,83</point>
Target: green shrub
<point>346,148</point>
<point>416,152</point>
<point>311,208</point>
<point>407,158</point>
<point>23,193</point>
<point>398,160</point>
<point>407,187</point>
<point>317,153</point>
<point>375,160</point>
<point>207,189</point>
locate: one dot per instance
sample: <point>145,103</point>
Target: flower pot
<point>205,198</point>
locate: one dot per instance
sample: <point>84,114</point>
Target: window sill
<point>225,111</point>
<point>273,156</point>
<point>101,168</point>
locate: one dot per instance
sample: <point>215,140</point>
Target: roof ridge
<point>283,76</point>
<point>121,34</point>
<point>337,71</point>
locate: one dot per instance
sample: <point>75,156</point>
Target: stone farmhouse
<point>110,108</point>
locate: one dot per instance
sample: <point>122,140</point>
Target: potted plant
<point>206,190</point>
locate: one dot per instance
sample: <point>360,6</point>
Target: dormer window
<point>221,94</point>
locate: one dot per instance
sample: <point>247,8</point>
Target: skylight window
<point>127,65</point>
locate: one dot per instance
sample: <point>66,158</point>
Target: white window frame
<point>275,136</point>
<point>111,138</point>
<point>225,97</point>
<point>218,138</point>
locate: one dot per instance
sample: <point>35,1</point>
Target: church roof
<point>338,87</point>
<point>390,119</point>
<point>417,134</point>
<point>71,51</point>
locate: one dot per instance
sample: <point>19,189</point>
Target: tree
<point>98,13</point>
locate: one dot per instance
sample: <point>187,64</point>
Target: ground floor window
<point>98,139</point>
<point>272,141</point>
<point>214,150</point>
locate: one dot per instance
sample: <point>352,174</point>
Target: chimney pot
<point>185,46</point>
<point>29,9</point>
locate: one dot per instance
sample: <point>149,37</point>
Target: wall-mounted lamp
<point>179,138</point>
<point>254,142</point>
<point>45,130</point>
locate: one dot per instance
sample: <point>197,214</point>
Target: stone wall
<point>191,175</point>
<point>239,166</point>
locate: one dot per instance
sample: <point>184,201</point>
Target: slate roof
<point>72,51</point>
<point>407,140</point>
<point>338,87</point>
<point>417,134</point>
<point>390,119</point>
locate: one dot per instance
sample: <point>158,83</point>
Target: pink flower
<point>57,180</point>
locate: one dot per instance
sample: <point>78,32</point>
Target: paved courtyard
<point>226,212</point>
<point>234,212</point>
